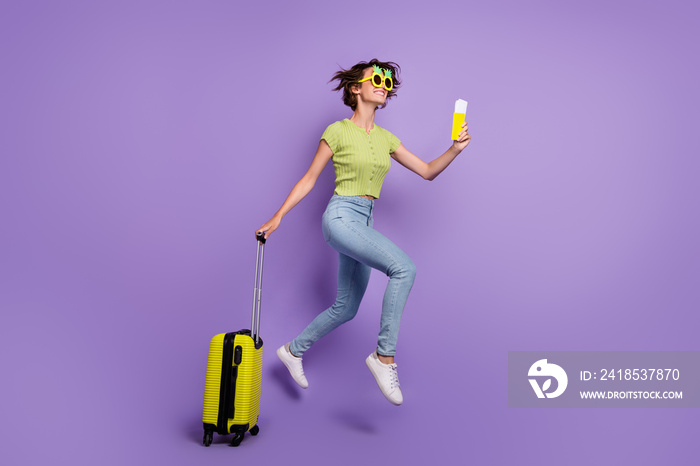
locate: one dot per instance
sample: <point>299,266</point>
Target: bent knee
<point>405,270</point>
<point>342,312</point>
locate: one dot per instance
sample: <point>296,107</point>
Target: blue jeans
<point>347,227</point>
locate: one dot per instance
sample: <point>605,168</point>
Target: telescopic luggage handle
<point>257,292</point>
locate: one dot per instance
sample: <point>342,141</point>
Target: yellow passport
<point>458,118</point>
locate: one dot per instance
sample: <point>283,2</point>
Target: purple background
<point>144,142</point>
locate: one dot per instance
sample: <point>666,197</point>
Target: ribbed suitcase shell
<point>247,390</point>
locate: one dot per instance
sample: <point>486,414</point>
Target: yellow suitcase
<point>234,372</point>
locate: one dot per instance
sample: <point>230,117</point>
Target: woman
<point>361,153</point>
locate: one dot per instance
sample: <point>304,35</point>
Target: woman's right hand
<point>269,226</point>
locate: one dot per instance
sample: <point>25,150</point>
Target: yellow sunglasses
<point>378,80</point>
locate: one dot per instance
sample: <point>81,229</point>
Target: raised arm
<point>429,170</point>
<point>301,189</point>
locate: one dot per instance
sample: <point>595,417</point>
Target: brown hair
<point>348,79</point>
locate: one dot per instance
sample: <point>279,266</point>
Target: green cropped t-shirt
<point>360,160</point>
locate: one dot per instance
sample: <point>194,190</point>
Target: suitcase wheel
<point>237,439</point>
<point>208,437</point>
<point>254,430</point>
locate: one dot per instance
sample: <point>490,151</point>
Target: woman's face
<point>370,94</point>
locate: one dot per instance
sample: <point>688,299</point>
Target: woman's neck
<point>363,117</point>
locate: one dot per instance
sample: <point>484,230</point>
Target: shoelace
<point>394,376</point>
<point>299,366</point>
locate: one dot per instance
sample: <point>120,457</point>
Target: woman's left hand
<point>463,138</point>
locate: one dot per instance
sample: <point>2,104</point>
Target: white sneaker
<point>293,364</point>
<point>387,378</point>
